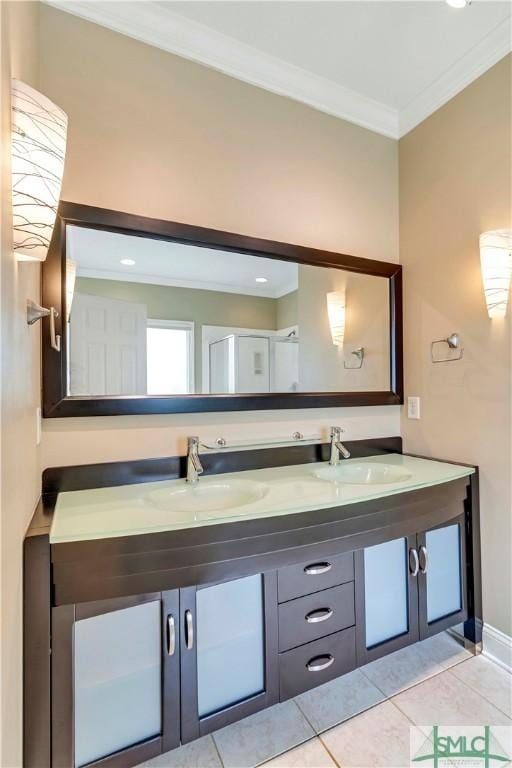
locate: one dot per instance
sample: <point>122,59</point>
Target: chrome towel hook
<point>454,342</point>
<point>35,312</point>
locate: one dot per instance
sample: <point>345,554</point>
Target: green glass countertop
<point>130,510</point>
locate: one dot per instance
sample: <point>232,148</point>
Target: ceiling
<point>384,65</point>
<point>98,254</point>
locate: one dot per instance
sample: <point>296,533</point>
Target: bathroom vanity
<point>156,612</point>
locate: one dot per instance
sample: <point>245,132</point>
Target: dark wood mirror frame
<point>56,402</point>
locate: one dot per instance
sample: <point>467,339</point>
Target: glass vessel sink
<point>205,500</point>
<point>364,473</point>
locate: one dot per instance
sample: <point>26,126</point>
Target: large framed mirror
<point>160,317</point>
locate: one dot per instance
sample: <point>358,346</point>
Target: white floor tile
<point>312,754</point>
<point>402,669</point>
<point>445,650</point>
<point>378,738</point>
<point>262,736</point>
<point>336,701</point>
<point>197,754</point>
<point>489,680</point>
<point>445,700</point>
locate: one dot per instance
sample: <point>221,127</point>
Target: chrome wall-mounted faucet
<point>337,447</point>
<point>194,466</point>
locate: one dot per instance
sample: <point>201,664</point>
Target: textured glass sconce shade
<point>496,266</point>
<point>336,314</point>
<point>38,148</point>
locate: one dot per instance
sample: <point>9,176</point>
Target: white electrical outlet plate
<point>413,407</point>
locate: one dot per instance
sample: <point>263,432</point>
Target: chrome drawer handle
<point>319,663</point>
<point>423,559</point>
<point>171,635</point>
<point>316,568</point>
<point>321,614</point>
<point>414,566</point>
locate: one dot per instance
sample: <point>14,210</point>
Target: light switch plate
<point>413,408</point>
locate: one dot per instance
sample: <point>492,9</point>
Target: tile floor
<point>362,719</point>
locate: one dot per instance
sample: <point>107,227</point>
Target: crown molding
<point>156,25</point>
<point>486,53</point>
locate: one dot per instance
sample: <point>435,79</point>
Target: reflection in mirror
<point>155,317</point>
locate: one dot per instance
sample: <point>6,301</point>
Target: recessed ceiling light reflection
<point>261,280</point>
<point>128,262</point>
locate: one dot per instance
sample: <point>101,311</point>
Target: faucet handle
<point>192,442</point>
<point>336,432</point>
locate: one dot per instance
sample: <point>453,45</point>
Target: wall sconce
<point>496,266</point>
<point>38,148</point>
<point>336,308</point>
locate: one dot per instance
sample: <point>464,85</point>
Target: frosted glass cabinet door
<point>230,643</point>
<point>115,680</point>
<point>117,671</point>
<point>441,577</point>
<point>389,619</point>
<point>228,652</point>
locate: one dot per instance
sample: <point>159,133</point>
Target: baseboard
<point>497,646</point>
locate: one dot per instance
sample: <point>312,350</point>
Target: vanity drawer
<point>322,613</point>
<point>316,663</point>
<point>314,575</point>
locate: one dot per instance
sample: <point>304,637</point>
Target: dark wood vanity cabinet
<point>137,676</point>
<point>252,614</point>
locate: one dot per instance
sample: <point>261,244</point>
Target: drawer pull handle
<point>317,568</point>
<point>319,663</point>
<point>321,614</point>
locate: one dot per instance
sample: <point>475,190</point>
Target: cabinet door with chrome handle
<point>229,633</point>
<point>442,576</point>
<point>387,597</point>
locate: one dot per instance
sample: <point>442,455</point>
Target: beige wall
<point>455,182</point>
<point>287,312</point>
<point>321,363</point>
<point>19,361</point>
<point>157,135</point>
